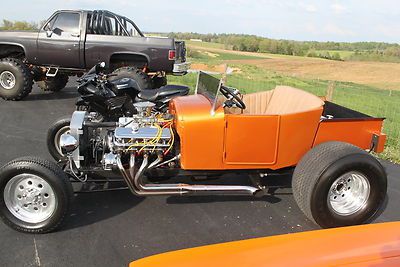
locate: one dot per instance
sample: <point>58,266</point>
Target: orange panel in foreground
<point>358,246</point>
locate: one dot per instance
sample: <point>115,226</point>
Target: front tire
<point>337,184</point>
<point>61,126</point>
<point>16,79</point>
<point>35,195</point>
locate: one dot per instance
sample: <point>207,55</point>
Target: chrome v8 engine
<point>145,132</point>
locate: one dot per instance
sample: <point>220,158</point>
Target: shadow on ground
<point>90,208</point>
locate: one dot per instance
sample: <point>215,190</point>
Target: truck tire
<point>136,74</point>
<point>337,184</point>
<point>15,79</point>
<point>61,126</point>
<point>55,84</point>
<point>35,195</point>
<point>159,81</point>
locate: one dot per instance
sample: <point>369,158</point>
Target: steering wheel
<point>233,97</point>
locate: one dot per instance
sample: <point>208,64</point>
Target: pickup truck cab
<point>73,41</point>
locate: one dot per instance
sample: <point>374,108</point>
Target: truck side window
<point>67,22</point>
<point>50,24</point>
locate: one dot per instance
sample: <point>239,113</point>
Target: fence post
<point>224,74</point>
<point>330,91</point>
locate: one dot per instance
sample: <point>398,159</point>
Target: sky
<point>323,20</point>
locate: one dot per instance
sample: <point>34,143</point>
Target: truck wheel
<point>15,79</point>
<point>35,195</point>
<point>55,84</point>
<point>337,184</point>
<point>159,81</point>
<point>136,74</point>
<point>61,126</point>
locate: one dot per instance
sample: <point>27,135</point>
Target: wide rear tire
<point>133,73</point>
<point>337,184</point>
<point>159,81</point>
<point>16,79</point>
<point>55,84</point>
<point>35,195</point>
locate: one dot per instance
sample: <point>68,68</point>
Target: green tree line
<point>19,25</point>
<point>252,43</point>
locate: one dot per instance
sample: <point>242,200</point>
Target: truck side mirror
<point>100,67</point>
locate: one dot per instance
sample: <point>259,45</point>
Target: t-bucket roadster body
<point>213,132</point>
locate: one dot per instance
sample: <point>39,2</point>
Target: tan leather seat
<point>257,103</point>
<point>281,100</point>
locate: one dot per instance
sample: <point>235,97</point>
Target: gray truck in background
<point>73,41</point>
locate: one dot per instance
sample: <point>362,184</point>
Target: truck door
<point>59,42</point>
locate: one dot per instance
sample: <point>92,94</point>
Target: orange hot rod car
<point>357,246</point>
<point>213,132</point>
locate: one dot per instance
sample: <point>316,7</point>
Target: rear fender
<point>363,133</point>
<point>119,59</point>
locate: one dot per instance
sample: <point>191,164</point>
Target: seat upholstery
<point>257,103</point>
<point>281,100</point>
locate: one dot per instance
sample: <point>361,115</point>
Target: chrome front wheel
<point>30,198</point>
<point>35,195</point>
<point>7,80</point>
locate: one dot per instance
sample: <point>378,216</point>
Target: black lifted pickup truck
<point>73,41</point>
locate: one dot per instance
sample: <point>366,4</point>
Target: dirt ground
<point>378,74</point>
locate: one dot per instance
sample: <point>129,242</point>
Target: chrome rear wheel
<point>349,193</point>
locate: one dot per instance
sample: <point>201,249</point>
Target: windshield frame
<point>211,96</point>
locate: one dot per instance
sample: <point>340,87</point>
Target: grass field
<point>253,75</point>
<point>381,75</point>
<point>211,57</point>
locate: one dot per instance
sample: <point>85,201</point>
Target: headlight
<point>68,143</point>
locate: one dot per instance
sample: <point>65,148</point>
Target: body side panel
<point>24,39</point>
<point>201,135</point>
<point>204,139</point>
<point>251,140</point>
<point>356,132</point>
<point>102,47</point>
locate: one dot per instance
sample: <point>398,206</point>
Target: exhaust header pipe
<point>137,187</point>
